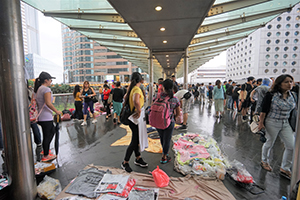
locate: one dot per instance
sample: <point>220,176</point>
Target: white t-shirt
<point>180,94</point>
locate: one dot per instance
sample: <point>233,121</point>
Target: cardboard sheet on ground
<point>179,187</point>
<point>154,144</point>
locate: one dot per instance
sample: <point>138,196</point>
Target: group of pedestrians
<point>271,101</point>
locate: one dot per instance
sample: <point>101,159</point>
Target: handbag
<point>125,113</point>
<point>293,115</point>
<point>94,99</point>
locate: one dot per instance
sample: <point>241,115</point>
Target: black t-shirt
<point>235,94</point>
<point>229,90</point>
<point>118,94</point>
<point>88,92</point>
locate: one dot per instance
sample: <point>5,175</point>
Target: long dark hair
<point>38,82</point>
<point>218,82</point>
<point>76,89</point>
<point>276,87</point>
<point>168,86</point>
<point>136,77</point>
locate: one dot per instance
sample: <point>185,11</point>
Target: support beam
<point>215,48</point>
<point>214,43</point>
<point>185,69</point>
<point>228,32</point>
<point>240,19</point>
<point>117,32</point>
<point>14,105</point>
<point>119,41</point>
<point>232,5</point>
<point>134,48</point>
<point>204,55</point>
<point>135,52</point>
<point>150,72</point>
<point>93,16</point>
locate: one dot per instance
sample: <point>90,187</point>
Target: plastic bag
<point>161,179</point>
<point>239,173</point>
<point>49,188</point>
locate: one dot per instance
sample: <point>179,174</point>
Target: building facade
<point>35,64</point>
<point>208,74</point>
<point>30,29</point>
<point>269,51</point>
<point>85,59</point>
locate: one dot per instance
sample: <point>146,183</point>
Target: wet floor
<point>80,146</point>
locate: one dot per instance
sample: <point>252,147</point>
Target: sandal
<point>266,166</point>
<point>286,174</point>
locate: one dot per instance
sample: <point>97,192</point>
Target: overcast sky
<point>50,39</point>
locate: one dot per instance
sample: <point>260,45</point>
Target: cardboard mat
<point>179,187</point>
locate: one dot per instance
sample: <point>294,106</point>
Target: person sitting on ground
<point>274,117</point>
<point>118,95</point>
<point>87,93</point>
<point>166,134</point>
<point>46,108</point>
<point>185,98</point>
<point>218,93</point>
<point>135,98</point>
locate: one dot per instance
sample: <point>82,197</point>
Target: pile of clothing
<point>198,154</point>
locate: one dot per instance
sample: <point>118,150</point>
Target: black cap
<point>45,75</point>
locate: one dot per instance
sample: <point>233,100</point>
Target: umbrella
<point>57,120</point>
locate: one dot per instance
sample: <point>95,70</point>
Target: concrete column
<point>150,72</point>
<point>14,104</point>
<point>185,69</point>
<point>296,160</point>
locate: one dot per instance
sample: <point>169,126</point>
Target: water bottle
<point>283,198</point>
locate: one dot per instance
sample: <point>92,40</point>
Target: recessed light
<point>168,66</point>
<point>165,41</point>
<point>167,55</point>
<point>168,60</point>
<point>162,29</point>
<point>158,8</point>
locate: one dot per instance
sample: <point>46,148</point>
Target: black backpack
<point>229,90</point>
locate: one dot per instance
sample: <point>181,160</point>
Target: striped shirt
<point>280,107</point>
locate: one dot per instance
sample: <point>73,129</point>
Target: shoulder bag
<point>293,114</point>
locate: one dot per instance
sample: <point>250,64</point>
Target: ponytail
<point>37,84</point>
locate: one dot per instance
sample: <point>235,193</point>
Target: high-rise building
<point>30,29</point>
<point>208,74</point>
<point>35,64</point>
<point>85,59</point>
<point>269,51</point>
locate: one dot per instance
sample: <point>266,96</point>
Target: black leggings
<point>48,133</point>
<point>106,105</point>
<point>134,145</point>
<point>78,110</point>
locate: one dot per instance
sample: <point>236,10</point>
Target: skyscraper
<point>85,59</point>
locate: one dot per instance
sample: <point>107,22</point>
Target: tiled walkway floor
<point>80,146</point>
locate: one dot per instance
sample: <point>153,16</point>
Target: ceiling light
<point>168,60</point>
<point>168,66</point>
<point>165,41</point>
<point>162,29</point>
<point>158,8</point>
<point>167,55</point>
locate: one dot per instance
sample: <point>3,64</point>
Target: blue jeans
<point>229,102</point>
<point>36,133</point>
<point>236,102</point>
<point>165,137</point>
<point>281,128</point>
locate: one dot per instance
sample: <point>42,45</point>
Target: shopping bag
<point>161,179</point>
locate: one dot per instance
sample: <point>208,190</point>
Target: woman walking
<point>78,103</point>
<point>118,94</point>
<point>218,93</point>
<point>135,98</point>
<point>166,134</point>
<point>87,93</point>
<point>45,120</point>
<point>106,104</point>
<point>274,117</point>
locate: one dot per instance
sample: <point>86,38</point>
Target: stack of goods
<point>41,167</point>
<point>198,154</point>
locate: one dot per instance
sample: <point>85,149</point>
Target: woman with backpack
<point>45,120</point>
<point>87,93</point>
<point>135,98</point>
<point>274,117</point>
<point>166,134</point>
<point>218,93</point>
<point>78,103</point>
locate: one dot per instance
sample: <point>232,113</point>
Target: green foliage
<point>63,88</point>
<point>30,83</point>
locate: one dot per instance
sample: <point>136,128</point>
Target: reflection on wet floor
<point>83,145</point>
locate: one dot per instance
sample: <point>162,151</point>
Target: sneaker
<point>140,162</point>
<point>115,120</point>
<point>164,161</point>
<point>94,121</point>
<point>42,152</point>
<point>244,119</point>
<point>183,127</point>
<point>48,158</point>
<point>126,167</point>
<point>83,124</point>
